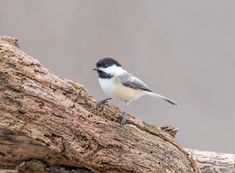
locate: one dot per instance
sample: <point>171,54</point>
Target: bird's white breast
<point>107,86</point>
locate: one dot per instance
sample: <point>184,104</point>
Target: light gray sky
<point>181,49</point>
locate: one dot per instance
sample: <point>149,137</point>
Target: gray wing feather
<point>133,82</point>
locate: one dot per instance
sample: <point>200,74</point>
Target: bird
<point>117,83</point>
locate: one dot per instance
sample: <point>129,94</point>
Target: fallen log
<point>50,123</point>
<point>21,154</point>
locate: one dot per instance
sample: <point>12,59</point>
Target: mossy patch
<point>1,62</point>
<point>79,87</point>
<point>1,82</point>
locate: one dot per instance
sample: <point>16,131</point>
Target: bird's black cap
<point>107,62</point>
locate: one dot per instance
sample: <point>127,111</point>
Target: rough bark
<point>21,154</point>
<point>60,119</point>
<point>212,162</point>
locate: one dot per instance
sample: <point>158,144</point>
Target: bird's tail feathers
<point>163,97</point>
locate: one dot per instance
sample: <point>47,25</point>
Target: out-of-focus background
<point>182,49</point>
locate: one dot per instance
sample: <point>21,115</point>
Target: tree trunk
<point>50,124</point>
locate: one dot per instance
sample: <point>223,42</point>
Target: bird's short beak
<point>95,69</point>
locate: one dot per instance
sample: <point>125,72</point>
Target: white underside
<point>107,86</point>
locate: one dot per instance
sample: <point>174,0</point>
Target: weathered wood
<point>15,148</point>
<point>61,117</point>
<point>212,162</point>
<point>22,154</point>
<point>26,155</point>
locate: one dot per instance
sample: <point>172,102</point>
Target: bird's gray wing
<point>133,82</point>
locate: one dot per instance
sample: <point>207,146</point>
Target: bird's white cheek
<point>107,86</point>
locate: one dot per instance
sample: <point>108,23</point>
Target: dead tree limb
<point>58,116</point>
<point>28,155</point>
<point>212,162</point>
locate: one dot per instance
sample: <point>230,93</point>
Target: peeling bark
<point>59,116</point>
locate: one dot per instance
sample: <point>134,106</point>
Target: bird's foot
<point>124,117</point>
<point>102,102</point>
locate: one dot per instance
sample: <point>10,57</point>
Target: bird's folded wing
<point>133,82</point>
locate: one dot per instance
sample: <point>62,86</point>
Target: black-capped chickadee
<point>118,83</point>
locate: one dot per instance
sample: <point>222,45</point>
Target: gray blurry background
<point>182,49</point>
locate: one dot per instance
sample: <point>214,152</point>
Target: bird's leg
<point>102,102</point>
<point>124,115</point>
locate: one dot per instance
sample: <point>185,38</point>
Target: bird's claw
<point>124,117</point>
<point>102,102</point>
